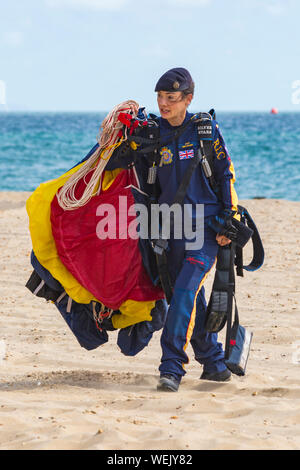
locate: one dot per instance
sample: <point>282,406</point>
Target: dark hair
<point>189,90</point>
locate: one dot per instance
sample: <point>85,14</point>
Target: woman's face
<point>173,105</point>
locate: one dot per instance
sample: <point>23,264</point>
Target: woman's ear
<point>189,98</point>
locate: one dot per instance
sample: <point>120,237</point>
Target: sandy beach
<point>56,395</point>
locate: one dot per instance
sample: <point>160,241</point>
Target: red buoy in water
<point>274,111</point>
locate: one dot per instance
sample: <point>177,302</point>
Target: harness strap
<point>205,136</point>
<point>61,297</point>
<point>184,184</point>
<point>231,295</point>
<point>69,305</point>
<point>230,327</point>
<point>39,287</point>
<point>206,153</point>
<point>258,249</point>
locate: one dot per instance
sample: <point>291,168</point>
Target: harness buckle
<point>159,245</point>
<point>206,167</point>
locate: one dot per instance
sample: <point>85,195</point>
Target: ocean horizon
<point>36,146</point>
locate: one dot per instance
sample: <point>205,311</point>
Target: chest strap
<point>205,137</point>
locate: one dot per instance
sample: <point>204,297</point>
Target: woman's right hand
<point>222,240</point>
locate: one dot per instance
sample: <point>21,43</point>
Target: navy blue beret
<point>177,79</point>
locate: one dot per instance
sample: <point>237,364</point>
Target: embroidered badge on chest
<point>187,145</point>
<point>185,154</point>
<point>166,156</point>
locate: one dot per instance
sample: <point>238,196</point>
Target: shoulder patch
<point>219,151</point>
<point>166,156</point>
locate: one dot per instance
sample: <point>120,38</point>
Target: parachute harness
<point>104,313</point>
<point>114,132</point>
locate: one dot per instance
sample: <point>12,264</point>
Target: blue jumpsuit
<point>188,269</point>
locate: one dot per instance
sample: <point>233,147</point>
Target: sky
<point>89,55</point>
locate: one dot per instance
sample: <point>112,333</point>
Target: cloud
<point>88,4</point>
<point>13,38</point>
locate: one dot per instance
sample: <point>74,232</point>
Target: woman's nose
<point>162,100</point>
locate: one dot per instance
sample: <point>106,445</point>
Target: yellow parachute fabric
<point>133,312</point>
<point>38,208</point>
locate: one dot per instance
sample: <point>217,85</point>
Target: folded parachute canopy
<point>88,267</point>
<point>111,268</point>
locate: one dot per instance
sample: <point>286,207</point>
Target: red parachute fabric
<point>111,269</point>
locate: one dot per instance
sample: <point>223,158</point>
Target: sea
<point>264,147</point>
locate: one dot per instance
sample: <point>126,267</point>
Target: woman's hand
<point>222,240</point>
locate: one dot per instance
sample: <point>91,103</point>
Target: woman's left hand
<point>222,240</point>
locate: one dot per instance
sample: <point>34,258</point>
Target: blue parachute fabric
<point>133,339</point>
<point>82,325</point>
<point>79,319</point>
<point>45,274</point>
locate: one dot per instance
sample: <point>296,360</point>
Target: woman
<point>188,269</point>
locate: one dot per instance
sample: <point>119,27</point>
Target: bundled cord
<point>111,137</point>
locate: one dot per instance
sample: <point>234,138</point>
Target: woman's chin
<point>165,114</point>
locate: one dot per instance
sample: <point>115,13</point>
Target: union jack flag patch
<point>185,154</point>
